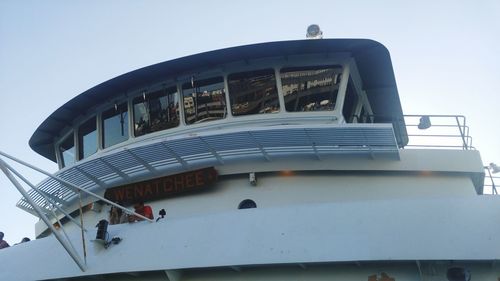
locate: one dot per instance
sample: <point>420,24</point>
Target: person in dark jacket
<point>3,243</point>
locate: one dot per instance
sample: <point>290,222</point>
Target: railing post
<point>464,142</point>
<point>493,187</point>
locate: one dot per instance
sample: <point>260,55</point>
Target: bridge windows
<point>304,89</point>
<point>67,150</point>
<point>87,138</point>
<point>115,125</point>
<point>204,100</point>
<point>253,92</point>
<point>156,111</point>
<point>310,88</point>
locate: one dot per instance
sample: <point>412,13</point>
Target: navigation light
<point>314,32</point>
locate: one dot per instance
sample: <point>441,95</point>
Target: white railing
<point>491,181</point>
<point>9,172</point>
<point>438,131</point>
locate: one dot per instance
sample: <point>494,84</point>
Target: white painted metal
<point>47,196</point>
<point>67,183</point>
<point>372,230</point>
<point>66,244</point>
<point>334,201</point>
<point>184,152</point>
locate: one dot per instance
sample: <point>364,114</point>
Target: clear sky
<point>445,57</point>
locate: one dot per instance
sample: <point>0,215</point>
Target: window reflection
<point>204,100</point>
<point>67,149</point>
<point>156,111</point>
<point>115,125</point>
<point>87,139</point>
<point>253,92</point>
<point>350,103</point>
<point>310,88</point>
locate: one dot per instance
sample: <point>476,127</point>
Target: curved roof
<point>372,58</point>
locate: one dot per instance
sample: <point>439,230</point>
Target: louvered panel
<point>96,168</point>
<point>152,153</point>
<point>228,142</point>
<point>188,146</point>
<point>282,138</point>
<point>74,176</point>
<point>121,160</point>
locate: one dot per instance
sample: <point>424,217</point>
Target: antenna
<point>314,32</point>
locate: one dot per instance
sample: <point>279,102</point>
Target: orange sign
<point>162,187</point>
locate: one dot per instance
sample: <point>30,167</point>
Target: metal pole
<point>26,196</point>
<point>67,183</point>
<point>462,133</point>
<point>44,196</point>
<point>494,189</point>
<point>83,232</point>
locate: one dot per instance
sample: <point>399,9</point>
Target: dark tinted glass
<point>247,204</point>
<point>67,149</point>
<point>311,88</point>
<point>204,100</point>
<point>253,92</point>
<point>350,102</point>
<point>87,139</point>
<point>156,111</point>
<point>115,125</point>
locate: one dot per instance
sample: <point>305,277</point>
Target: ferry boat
<point>285,160</point>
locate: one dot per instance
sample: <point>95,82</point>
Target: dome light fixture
<point>494,168</point>
<point>314,32</point>
<point>424,123</point>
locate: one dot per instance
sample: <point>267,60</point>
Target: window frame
<point>154,91</point>
<point>102,119</point>
<point>59,154</point>
<point>314,67</point>
<point>80,152</point>
<point>203,78</point>
<point>255,69</point>
<point>274,65</point>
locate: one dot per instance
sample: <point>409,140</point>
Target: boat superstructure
<point>282,160</point>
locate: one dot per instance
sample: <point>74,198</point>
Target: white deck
<point>375,230</point>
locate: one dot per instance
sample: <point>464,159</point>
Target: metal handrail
<point>490,182</point>
<point>456,123</point>
<point>9,172</point>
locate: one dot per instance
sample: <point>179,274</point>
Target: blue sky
<point>445,56</point>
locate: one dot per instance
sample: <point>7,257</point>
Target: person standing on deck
<point>141,209</point>
<point>3,243</point>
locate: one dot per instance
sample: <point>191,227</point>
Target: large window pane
<point>156,111</point>
<point>204,100</point>
<point>67,149</point>
<point>253,92</point>
<point>115,125</point>
<point>87,139</point>
<point>310,88</point>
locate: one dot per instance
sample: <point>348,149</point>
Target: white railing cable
<point>11,169</point>
<point>67,246</point>
<point>51,201</point>
<point>67,183</point>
